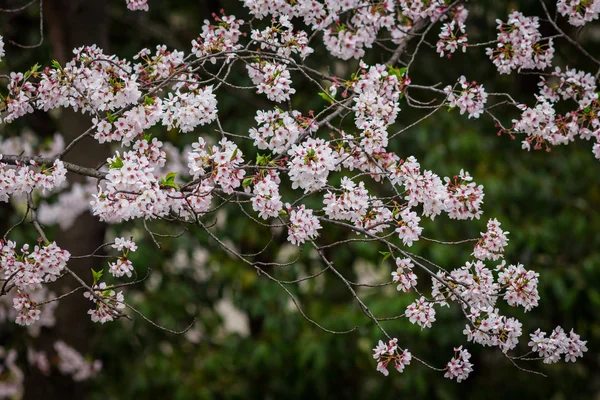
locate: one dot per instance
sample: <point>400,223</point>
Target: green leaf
<point>385,254</point>
<point>97,275</point>
<point>169,180</point>
<point>32,70</point>
<point>263,160</point>
<point>247,182</point>
<point>171,176</point>
<point>399,72</point>
<point>118,163</point>
<point>327,97</point>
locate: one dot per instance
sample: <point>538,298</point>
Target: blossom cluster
<point>520,45</point>
<point>29,271</point>
<point>71,362</point>
<point>161,65</point>
<point>266,199</point>
<point>90,82</point>
<point>303,225</point>
<point>137,5</point>
<point>452,37</point>
<point>187,110</point>
<point>468,97</point>
<point>408,228</point>
<point>222,163</point>
<point>465,197</point>
<point>488,328</point>
<point>25,178</point>
<point>16,306</point>
<point>557,345</point>
<point>130,125</point>
<point>544,127</point>
<point>281,39</point>
<point>108,303</point>
<point>459,367</point>
<point>572,84</point>
<point>404,274</point>
<point>31,268</point>
<point>123,265</point>
<point>351,204</point>
<point>473,283</point>
<point>277,130</point>
<point>421,311</point>
<point>390,352</point>
<point>272,79</point>
<point>310,164</point>
<point>376,106</point>
<point>520,285</point>
<point>579,12</point>
<point>377,218</point>
<point>426,188</point>
<point>221,37</point>
<point>492,243</point>
<point>131,190</point>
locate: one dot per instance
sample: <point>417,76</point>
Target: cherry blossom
<point>272,79</point>
<point>469,97</point>
<point>303,225</point>
<point>267,200</point>
<point>71,362</point>
<point>107,301</point>
<point>364,183</point>
<point>452,37</point>
<point>351,204</point>
<point>25,178</point>
<point>134,5</point>
<point>489,328</point>
<point>387,353</point>
<point>520,285</point>
<point>492,243</point>
<point>459,367</point>
<point>579,12</point>
<point>464,197</point>
<point>408,226</point>
<point>281,38</point>
<point>278,129</point>
<point>421,312</point>
<point>189,109</point>
<point>221,37</point>
<point>557,345</point>
<point>520,45</point>
<point>310,164</point>
<point>404,274</point>
<point>122,244</point>
<point>30,269</point>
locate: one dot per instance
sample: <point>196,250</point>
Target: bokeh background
<point>250,341</point>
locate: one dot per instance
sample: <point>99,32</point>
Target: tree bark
<point>71,24</point>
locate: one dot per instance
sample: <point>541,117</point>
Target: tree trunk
<point>71,24</point>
